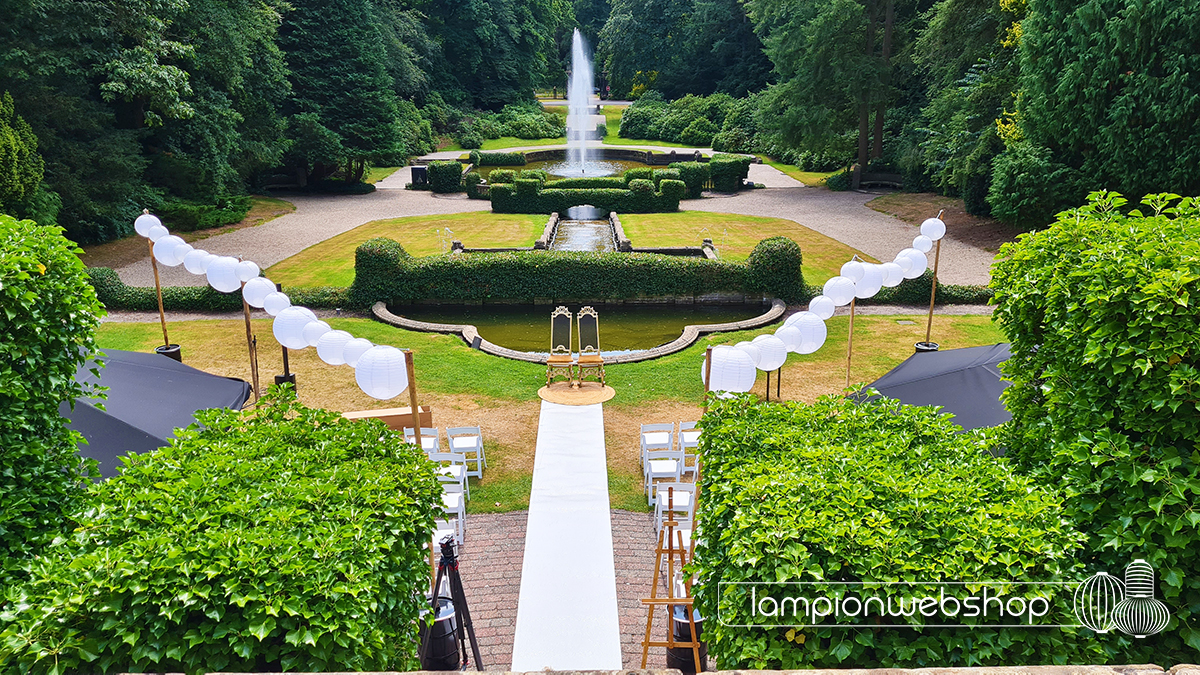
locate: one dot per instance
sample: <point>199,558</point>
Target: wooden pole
<point>778,379</point>
<point>768,385</point>
<point>937,255</point>
<point>412,396</point>
<point>850,341</point>
<point>162,317</point>
<point>707,375</point>
<point>250,348</point>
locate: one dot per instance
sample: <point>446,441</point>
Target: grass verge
<point>378,173</point>
<point>331,262</point>
<point>809,178</point>
<point>467,387</point>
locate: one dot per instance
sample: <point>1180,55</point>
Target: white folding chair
<point>431,440</point>
<point>441,528</point>
<point>454,503</point>
<point>682,498</point>
<point>452,471</point>
<point>665,465</point>
<point>468,441</point>
<point>689,439</point>
<point>657,437</point>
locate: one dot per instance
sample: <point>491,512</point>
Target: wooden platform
<point>585,394</point>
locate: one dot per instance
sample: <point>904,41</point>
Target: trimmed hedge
<point>775,264</point>
<point>445,177</point>
<point>283,539</point>
<point>846,492</point>
<point>641,172</point>
<point>384,271</point>
<point>497,158</point>
<point>729,172</point>
<point>659,175</point>
<point>637,199</point>
<point>694,175</point>
<point>611,182</point>
<point>501,176</point>
<point>115,295</point>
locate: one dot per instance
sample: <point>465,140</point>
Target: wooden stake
<point>412,396</point>
<point>250,348</point>
<point>707,375</point>
<point>768,385</point>
<point>162,317</point>
<point>937,255</point>
<point>778,379</point>
<point>850,341</point>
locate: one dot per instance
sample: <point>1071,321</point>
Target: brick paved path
<point>491,572</point>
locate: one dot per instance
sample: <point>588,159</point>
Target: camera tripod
<point>448,569</point>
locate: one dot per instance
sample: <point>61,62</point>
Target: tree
<point>639,40</point>
<point>718,52</point>
<point>21,167</point>
<point>342,108</point>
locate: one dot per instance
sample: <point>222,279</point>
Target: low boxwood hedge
<point>639,198</point>
<point>497,158</point>
<point>115,295</point>
<point>839,492</point>
<point>501,176</point>
<point>729,172</point>
<point>694,175</point>
<point>445,177</point>
<point>384,271</point>
<point>614,182</point>
<point>286,538</point>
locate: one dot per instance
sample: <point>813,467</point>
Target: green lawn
<point>736,235</point>
<point>331,262</point>
<point>811,178</point>
<point>452,376</point>
<point>378,173</point>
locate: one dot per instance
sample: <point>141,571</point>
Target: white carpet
<point>567,611</point>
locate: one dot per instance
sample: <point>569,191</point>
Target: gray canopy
<point>964,382</point>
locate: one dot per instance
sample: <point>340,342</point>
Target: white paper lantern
<point>791,337</point>
<point>196,261</point>
<point>840,290</point>
<point>314,330</point>
<point>922,243</point>
<point>164,250</point>
<point>893,274</point>
<point>354,350</point>
<point>751,349</point>
<point>904,262</point>
<point>182,251</point>
<point>247,270</point>
<point>933,228</point>
<point>772,352</point>
<point>289,328</point>
<point>276,302</point>
<point>222,274</point>
<point>732,370</point>
<point>307,312</point>
<point>144,223</point>
<point>822,306</point>
<point>256,290</point>
<point>381,372</point>
<point>157,232</point>
<point>853,271</point>
<point>919,263</point>
<point>330,346</point>
<point>871,282</point>
<point>812,332</point>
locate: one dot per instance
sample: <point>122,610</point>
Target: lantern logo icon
<point>1104,602</point>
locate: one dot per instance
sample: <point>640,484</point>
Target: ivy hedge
<point>115,295</point>
<point>48,317</point>
<point>497,158</point>
<point>838,491</point>
<point>287,538</point>
<point>384,271</point>
<point>1103,310</point>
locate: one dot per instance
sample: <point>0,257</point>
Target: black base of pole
<point>170,351</point>
<point>926,347</point>
<point>290,379</point>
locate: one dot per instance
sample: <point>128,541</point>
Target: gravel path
<point>841,215</point>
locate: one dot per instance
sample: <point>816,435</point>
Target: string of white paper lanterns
<point>379,370</point>
<point>805,332</point>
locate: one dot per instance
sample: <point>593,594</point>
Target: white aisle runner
<point>567,611</point>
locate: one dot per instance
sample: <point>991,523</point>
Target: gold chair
<point>560,346</point>
<point>589,346</point>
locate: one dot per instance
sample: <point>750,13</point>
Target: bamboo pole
<point>850,341</point>
<point>937,255</point>
<point>707,375</point>
<point>412,396</point>
<point>162,317</point>
<point>250,348</point>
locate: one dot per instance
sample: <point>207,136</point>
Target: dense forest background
<point>1020,107</point>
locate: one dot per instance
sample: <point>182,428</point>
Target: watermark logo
<point>1104,602</point>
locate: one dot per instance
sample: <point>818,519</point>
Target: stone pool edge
<point>471,335</point>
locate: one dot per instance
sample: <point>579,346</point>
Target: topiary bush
<point>471,182</point>
<point>1103,311</point>
<point>846,492</point>
<point>672,190</point>
<point>639,173</point>
<point>501,176</point>
<point>659,175</point>
<point>729,172</point>
<point>445,177</point>
<point>286,538</point>
<point>540,175</point>
<point>775,269</point>
<point>48,317</point>
<point>694,175</point>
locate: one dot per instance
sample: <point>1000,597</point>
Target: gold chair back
<point>589,331</point>
<point>560,331</point>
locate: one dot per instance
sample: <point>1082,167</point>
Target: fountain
<point>581,122</point>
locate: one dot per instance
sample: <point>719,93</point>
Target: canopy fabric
<point>964,382</point>
<point>149,396</point>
